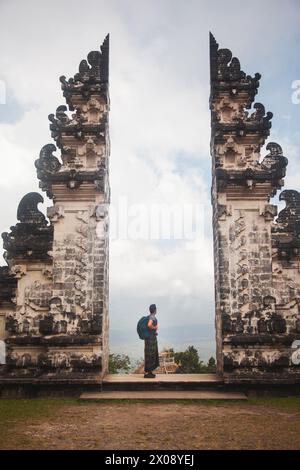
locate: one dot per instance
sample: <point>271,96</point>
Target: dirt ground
<point>70,424</point>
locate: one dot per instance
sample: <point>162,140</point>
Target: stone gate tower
<point>257,257</point>
<point>54,291</point>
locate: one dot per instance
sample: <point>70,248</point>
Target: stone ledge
<point>286,339</point>
<point>55,340</point>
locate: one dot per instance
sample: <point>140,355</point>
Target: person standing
<point>151,347</point>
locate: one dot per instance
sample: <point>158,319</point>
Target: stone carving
<point>259,115</point>
<point>82,244</point>
<point>275,161</point>
<point>224,211</point>
<point>28,212</point>
<point>101,211</point>
<point>92,111</point>
<point>71,158</point>
<point>286,230</point>
<point>73,184</point>
<point>58,121</point>
<point>82,229</point>
<point>32,237</point>
<point>296,354</point>
<point>289,217</point>
<point>18,271</point>
<point>269,212</point>
<point>8,284</point>
<point>47,163</point>
<point>48,273</point>
<point>37,295</point>
<point>83,216</point>
<point>55,213</point>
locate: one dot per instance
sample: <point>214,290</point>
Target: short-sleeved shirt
<point>154,319</point>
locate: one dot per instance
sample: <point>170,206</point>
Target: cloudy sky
<point>160,122</point>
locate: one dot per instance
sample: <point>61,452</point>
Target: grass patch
<point>291,403</point>
<point>35,408</point>
<point>17,413</point>
<point>277,402</point>
<point>81,420</point>
<point>13,412</point>
<point>157,401</point>
<point>24,408</point>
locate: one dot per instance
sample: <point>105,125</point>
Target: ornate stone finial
<point>28,212</point>
<point>275,162</point>
<point>93,75</point>
<point>32,237</point>
<point>104,71</point>
<point>260,114</point>
<point>58,121</point>
<point>289,217</point>
<point>213,52</point>
<point>286,230</point>
<point>47,163</point>
<point>226,74</point>
<point>275,149</point>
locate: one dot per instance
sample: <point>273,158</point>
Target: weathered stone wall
<point>56,313</point>
<point>256,278</point>
<point>7,299</point>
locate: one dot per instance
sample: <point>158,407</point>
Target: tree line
<point>188,362</point>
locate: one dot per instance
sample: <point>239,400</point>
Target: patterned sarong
<point>151,354</point>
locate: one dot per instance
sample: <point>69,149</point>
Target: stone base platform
<point>137,382</point>
<point>164,395</point>
<point>133,384</point>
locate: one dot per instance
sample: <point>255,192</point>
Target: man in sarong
<point>151,348</point>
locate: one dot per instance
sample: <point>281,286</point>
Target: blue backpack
<point>142,328</point>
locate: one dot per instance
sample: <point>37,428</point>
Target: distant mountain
<point>178,337</point>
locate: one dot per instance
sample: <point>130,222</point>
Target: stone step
<point>163,395</point>
<point>136,382</point>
